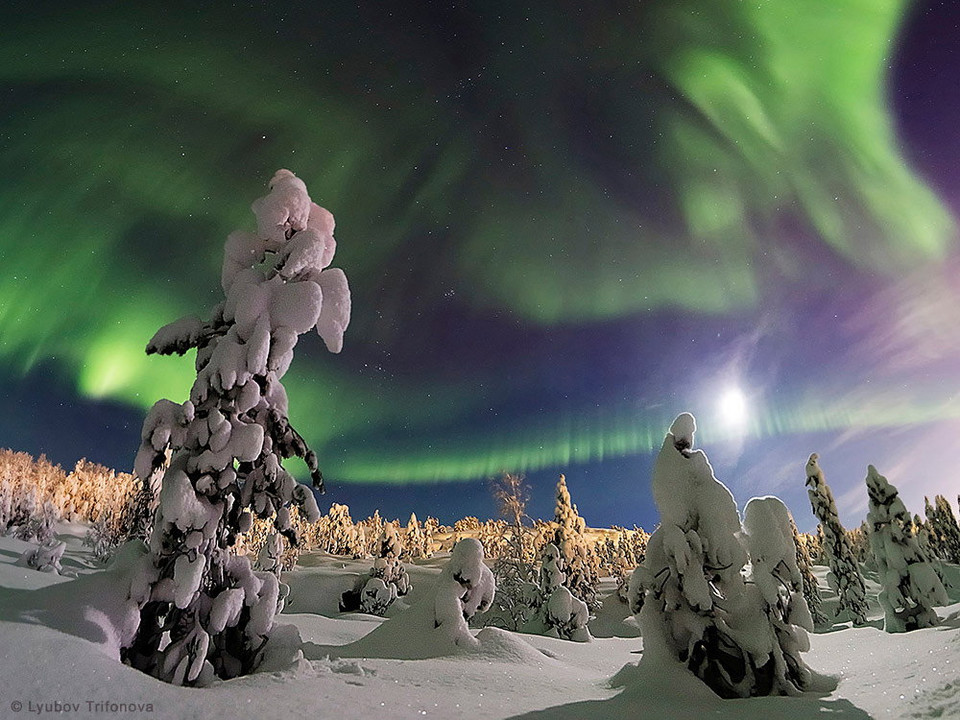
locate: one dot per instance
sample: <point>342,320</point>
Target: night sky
<point>563,224</point>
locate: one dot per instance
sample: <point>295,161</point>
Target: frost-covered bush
<point>844,575</point>
<point>46,557</point>
<point>24,513</point>
<point>515,567</point>
<point>203,611</point>
<point>37,521</point>
<point>387,580</point>
<point>910,584</point>
<point>35,494</point>
<point>690,594</point>
<point>518,595</point>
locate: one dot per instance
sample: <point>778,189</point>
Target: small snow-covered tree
<point>203,612</point>
<point>465,587</point>
<point>556,610</point>
<point>844,575</point>
<point>690,593</point>
<point>46,557</point>
<point>375,591</point>
<point>910,584</point>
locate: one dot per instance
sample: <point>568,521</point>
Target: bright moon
<point>733,407</point>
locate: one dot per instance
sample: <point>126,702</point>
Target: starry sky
<point>563,224</point>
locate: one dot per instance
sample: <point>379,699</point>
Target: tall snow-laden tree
<point>768,531</point>
<point>570,538</point>
<point>416,541</point>
<point>201,610</point>
<point>694,604</point>
<point>922,531</point>
<point>811,592</point>
<point>910,584</point>
<point>943,528</point>
<point>844,575</point>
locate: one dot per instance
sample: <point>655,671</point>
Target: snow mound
<point>437,624</point>
<point>504,646</point>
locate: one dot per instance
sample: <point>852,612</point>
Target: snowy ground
<point>57,656</point>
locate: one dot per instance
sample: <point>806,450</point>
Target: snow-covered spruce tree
<point>270,560</point>
<point>944,528</point>
<point>416,542</point>
<point>811,592</point>
<point>844,575</point>
<point>202,611</point>
<point>768,531</point>
<point>817,545</point>
<point>694,604</point>
<point>910,584</point>
<point>922,532</point>
<point>343,537</point>
<point>570,538</point>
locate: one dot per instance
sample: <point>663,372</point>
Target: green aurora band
<point>129,133</point>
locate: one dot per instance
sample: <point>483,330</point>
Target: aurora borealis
<point>562,226</point>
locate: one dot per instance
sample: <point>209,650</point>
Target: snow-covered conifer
<point>270,560</point>
<point>694,605</point>
<point>844,575</point>
<point>811,591</point>
<point>943,528</point>
<point>551,569</point>
<point>416,539</point>
<point>910,584</point>
<point>270,557</point>
<point>768,531</point>
<point>567,615</point>
<point>817,545</point>
<point>570,538</point>
<point>203,611</point>
<point>465,587</point>
<point>551,609</point>
<point>927,545</point>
